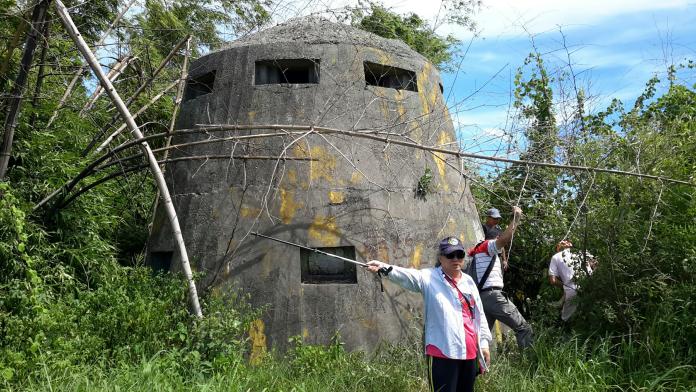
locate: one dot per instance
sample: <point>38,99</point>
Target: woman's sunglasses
<point>455,255</point>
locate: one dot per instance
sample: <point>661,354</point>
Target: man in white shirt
<point>562,269</point>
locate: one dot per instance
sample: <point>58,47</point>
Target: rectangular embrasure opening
<point>318,268</point>
<point>390,77</point>
<point>199,85</point>
<point>286,71</point>
<point>161,261</point>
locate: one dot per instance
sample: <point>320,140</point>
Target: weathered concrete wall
<point>357,193</point>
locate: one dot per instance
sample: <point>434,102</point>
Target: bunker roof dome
<point>317,30</point>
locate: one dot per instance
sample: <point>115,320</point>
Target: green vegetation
<point>78,311</point>
<point>634,325</point>
<point>410,29</point>
<point>416,32</point>
<point>425,184</point>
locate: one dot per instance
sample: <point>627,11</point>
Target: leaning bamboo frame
<point>154,166</point>
<point>288,130</point>
<point>139,112</point>
<point>137,93</point>
<point>117,70</point>
<point>83,68</point>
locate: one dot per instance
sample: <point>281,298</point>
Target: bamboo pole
<point>172,120</point>
<point>67,187</point>
<point>42,71</point>
<point>159,69</point>
<point>38,18</point>
<point>154,166</point>
<point>113,74</point>
<point>446,151</point>
<point>139,112</point>
<point>76,77</point>
<point>179,97</point>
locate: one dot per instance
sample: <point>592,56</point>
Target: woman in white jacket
<point>456,332</point>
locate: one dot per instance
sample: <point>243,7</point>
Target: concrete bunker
<point>290,90</point>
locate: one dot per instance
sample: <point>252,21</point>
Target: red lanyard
<point>462,297</point>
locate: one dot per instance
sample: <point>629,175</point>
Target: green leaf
<point>7,374</point>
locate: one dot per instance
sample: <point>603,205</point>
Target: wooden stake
<point>154,166</point>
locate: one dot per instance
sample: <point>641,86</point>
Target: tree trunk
<point>38,18</point>
<point>154,166</point>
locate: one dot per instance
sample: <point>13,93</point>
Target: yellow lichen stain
<point>399,98</point>
<point>384,57</point>
<point>368,323</point>
<point>336,197</point>
<point>291,176</point>
<point>258,341</point>
<point>305,333</point>
<point>249,212</point>
<point>288,206</point>
<point>432,98</point>
<point>417,136</point>
<point>423,81</point>
<point>383,103</point>
<point>443,140</point>
<point>324,168</point>
<point>469,235</point>
<point>356,178</point>
<point>417,253</point>
<point>324,231</point>
<point>451,225</point>
<point>383,253</point>
<point>252,116</point>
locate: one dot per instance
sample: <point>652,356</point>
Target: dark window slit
<point>390,77</point>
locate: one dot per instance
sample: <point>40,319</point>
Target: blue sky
<point>616,46</point>
<point>613,56</point>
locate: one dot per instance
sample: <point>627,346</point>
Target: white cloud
<point>500,18</point>
<point>480,118</point>
<point>495,132</point>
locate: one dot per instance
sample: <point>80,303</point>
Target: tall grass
<point>390,369</point>
<point>557,362</point>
